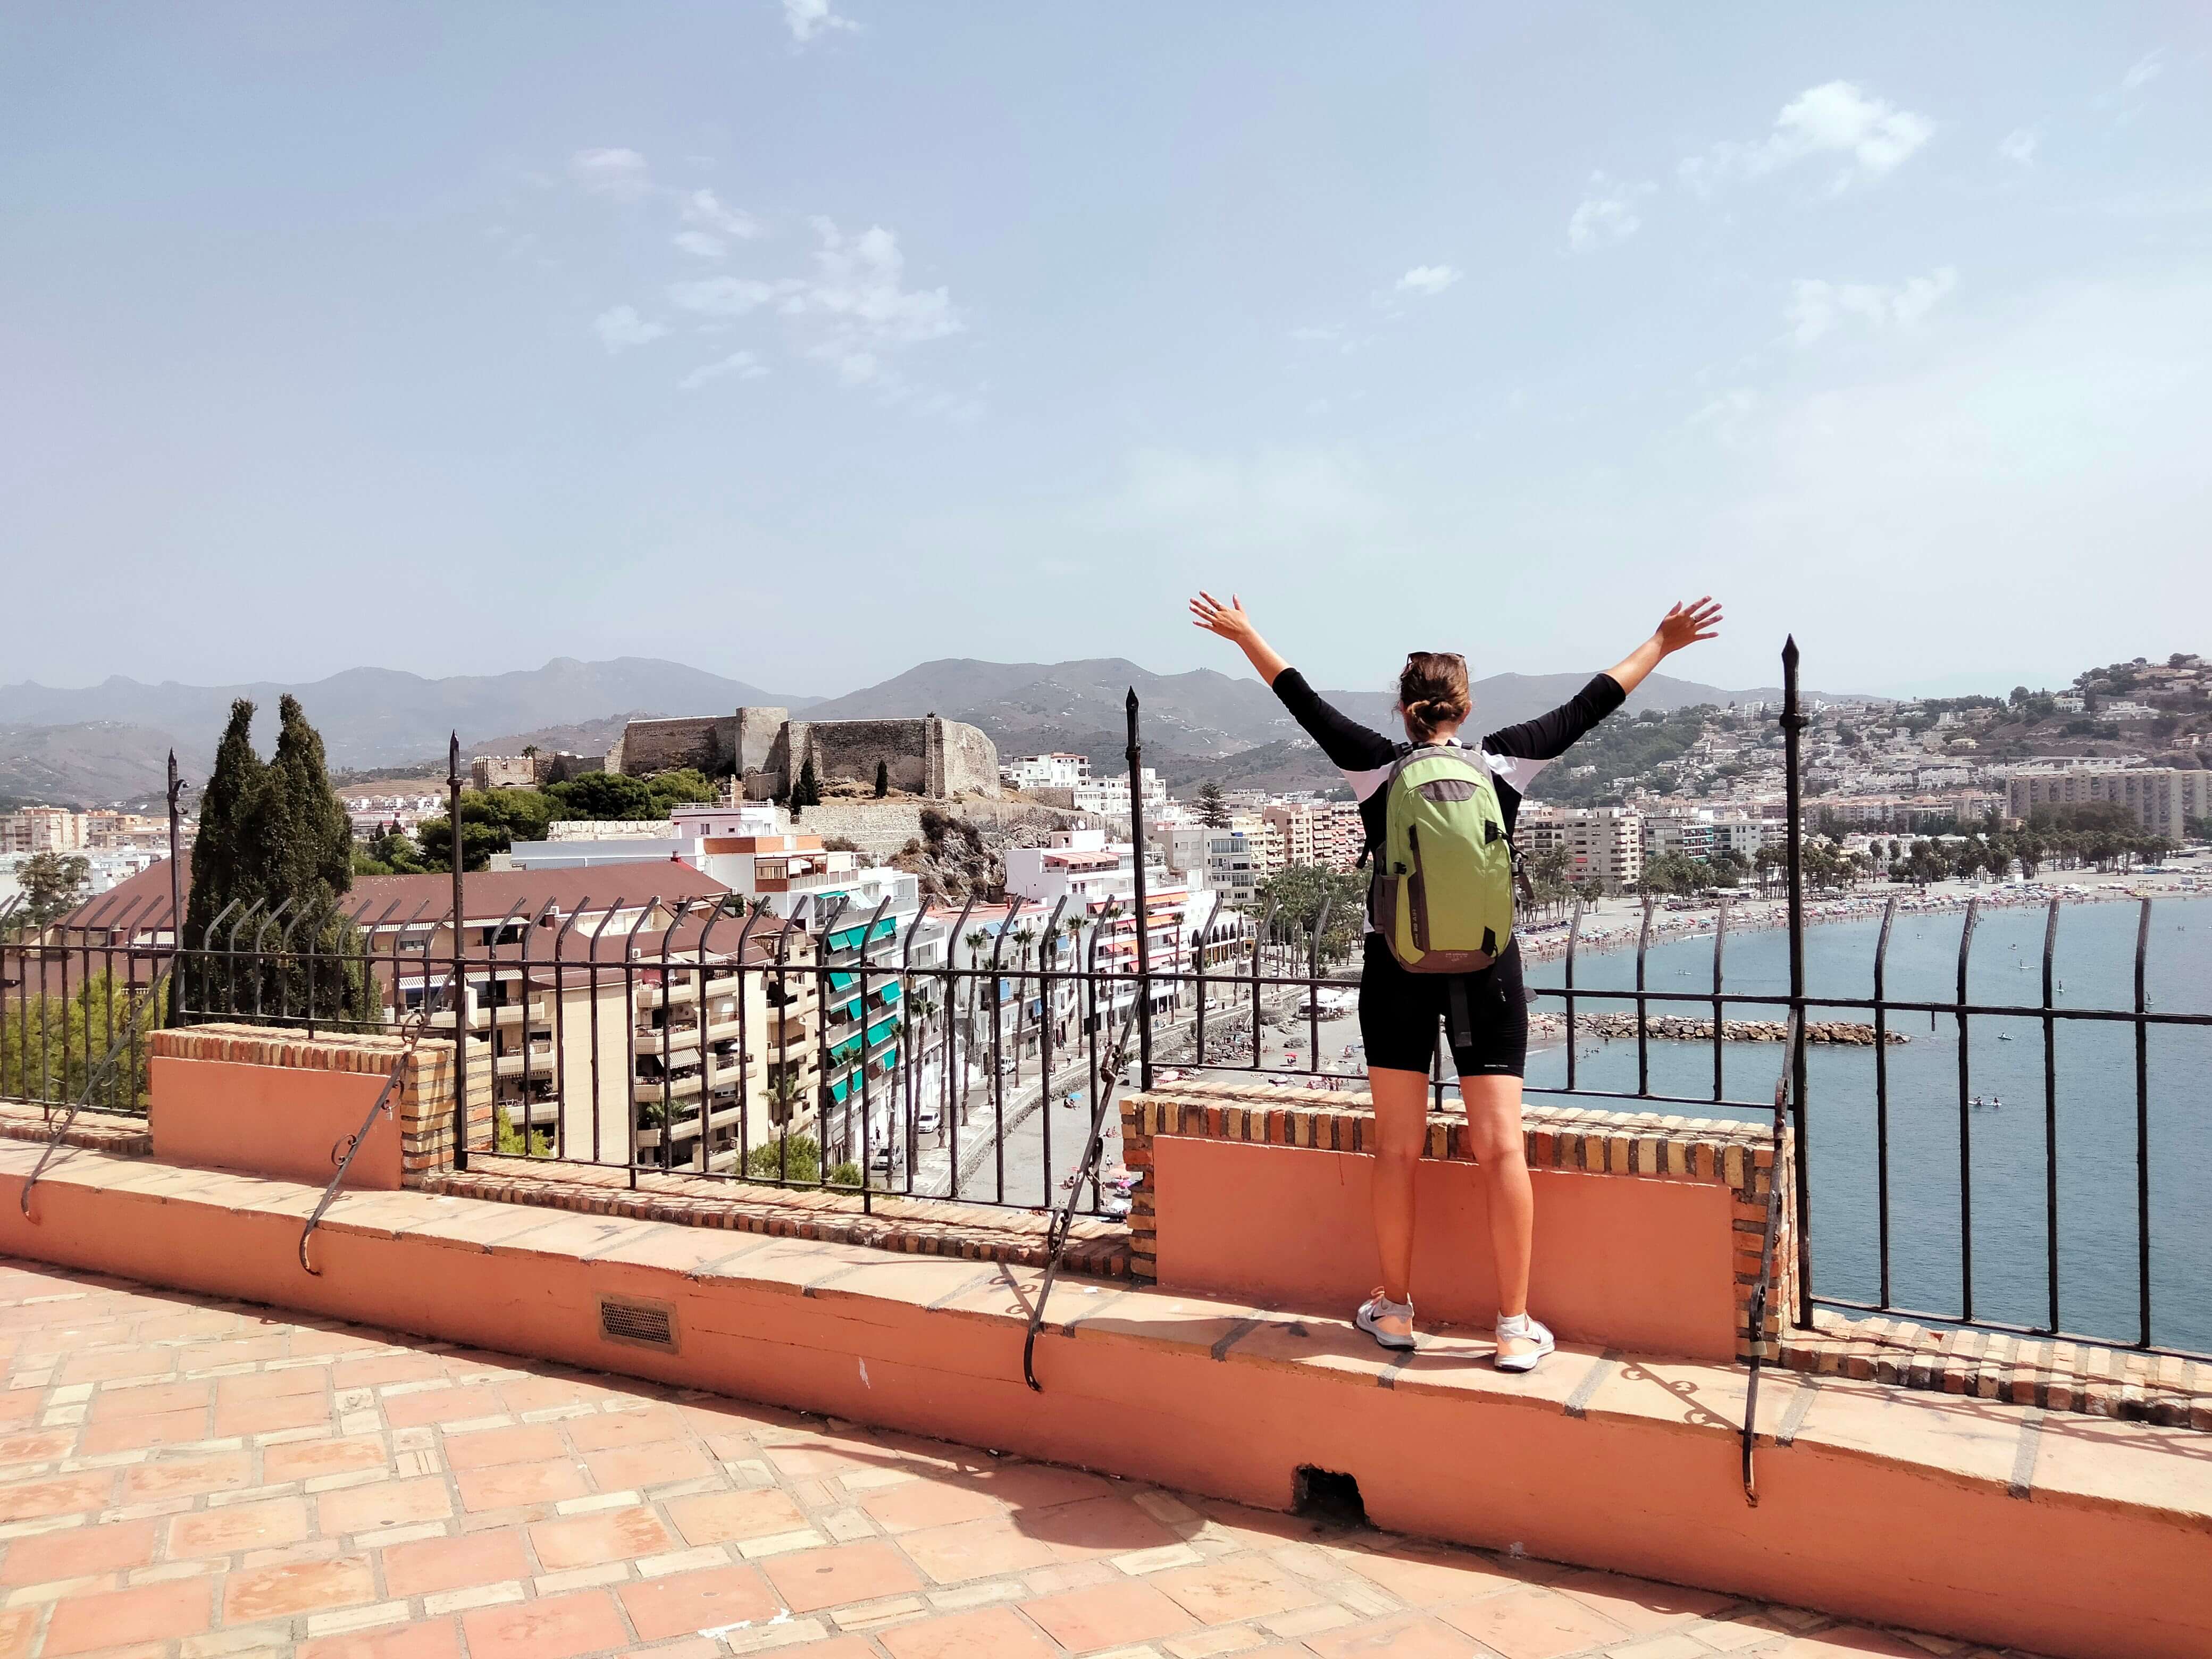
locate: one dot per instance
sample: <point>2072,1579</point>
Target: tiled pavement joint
<point>1794,1415</point>
<point>2022,1484</point>
<point>1586,1391</point>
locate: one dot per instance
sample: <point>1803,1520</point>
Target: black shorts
<point>1399,1014</point>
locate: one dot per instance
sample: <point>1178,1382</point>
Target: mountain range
<point>107,742</point>
<point>368,717</point>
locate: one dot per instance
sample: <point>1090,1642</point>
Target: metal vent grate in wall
<point>641,1324</point>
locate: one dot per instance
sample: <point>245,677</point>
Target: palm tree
<point>784,1095</point>
<point>975,942</point>
<point>1024,938</point>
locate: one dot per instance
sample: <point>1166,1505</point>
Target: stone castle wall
<point>929,756</point>
<point>846,751</point>
<point>530,771</point>
<point>706,742</point>
<point>970,760</point>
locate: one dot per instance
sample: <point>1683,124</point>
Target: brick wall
<point>424,1101</point>
<point>1632,1146</point>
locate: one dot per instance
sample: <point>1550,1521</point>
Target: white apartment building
<point>1181,843</point>
<point>2080,763</point>
<point>2162,797</point>
<point>1604,844</point>
<point>1267,839</point>
<point>1053,771</point>
<point>1740,835</point>
<point>1687,834</point>
<point>1110,797</point>
<point>1236,863</point>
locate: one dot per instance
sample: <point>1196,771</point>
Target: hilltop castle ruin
<point>765,749</point>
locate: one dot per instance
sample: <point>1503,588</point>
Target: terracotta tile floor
<point>355,1495</point>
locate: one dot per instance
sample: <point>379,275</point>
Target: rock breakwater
<point>1680,1029</point>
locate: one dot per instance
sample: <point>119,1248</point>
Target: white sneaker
<point>1522,1328</point>
<point>1379,1307</point>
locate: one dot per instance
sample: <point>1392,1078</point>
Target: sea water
<point>2005,1145</point>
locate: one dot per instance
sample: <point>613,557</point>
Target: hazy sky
<point>803,342</point>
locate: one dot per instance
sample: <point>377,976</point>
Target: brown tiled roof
<point>142,904</point>
<point>489,894</point>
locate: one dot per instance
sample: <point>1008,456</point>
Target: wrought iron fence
<point>710,1039</point>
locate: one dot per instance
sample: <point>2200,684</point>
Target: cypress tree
<point>311,849</point>
<point>227,866</point>
<point>809,792</point>
<point>270,832</point>
<point>883,779</point>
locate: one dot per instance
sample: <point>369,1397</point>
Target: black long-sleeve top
<point>1514,754</point>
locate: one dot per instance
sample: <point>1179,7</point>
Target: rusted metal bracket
<point>342,1152</point>
<point>1063,1220</point>
<point>92,1081</point>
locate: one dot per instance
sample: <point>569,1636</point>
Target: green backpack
<point>1444,881</point>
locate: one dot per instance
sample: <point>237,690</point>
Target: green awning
<point>838,1088</point>
<point>838,1050</point>
<point>882,1029</point>
<point>844,938</point>
<point>840,978</point>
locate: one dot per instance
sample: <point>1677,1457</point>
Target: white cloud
<point>858,306</point>
<point>1606,216</point>
<point>727,296</point>
<point>1429,280</point>
<point>1816,308</point>
<point>622,327</point>
<point>807,18</point>
<point>743,364</point>
<point>699,242</point>
<point>621,174</point>
<point>852,314</point>
<point>2018,146</point>
<point>2144,70</point>
<point>1832,120</point>
<point>704,211</point>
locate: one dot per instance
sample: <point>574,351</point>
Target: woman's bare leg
<point>1493,1119</point>
<point>1401,1132</point>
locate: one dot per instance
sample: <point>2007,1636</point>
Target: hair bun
<point>1432,692</point>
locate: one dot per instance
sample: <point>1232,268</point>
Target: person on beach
<point>1485,1010</point>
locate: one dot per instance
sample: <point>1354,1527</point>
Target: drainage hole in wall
<point>1324,1496</point>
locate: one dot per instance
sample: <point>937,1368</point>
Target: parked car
<point>927,1121</point>
<point>881,1160</point>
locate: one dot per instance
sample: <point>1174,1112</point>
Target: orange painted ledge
<point>1988,1522</point>
<point>1646,1265</point>
<point>280,1121</point>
